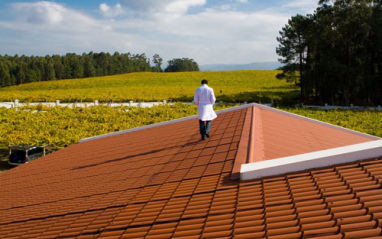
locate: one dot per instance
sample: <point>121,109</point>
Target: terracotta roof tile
<point>162,182</point>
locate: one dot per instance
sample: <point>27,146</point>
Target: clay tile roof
<point>162,181</point>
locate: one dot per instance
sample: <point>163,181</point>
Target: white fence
<point>15,104</point>
<point>351,107</point>
<point>11,105</point>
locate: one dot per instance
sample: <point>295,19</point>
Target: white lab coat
<point>204,98</point>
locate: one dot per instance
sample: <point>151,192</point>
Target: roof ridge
<point>244,144</point>
<point>257,142</point>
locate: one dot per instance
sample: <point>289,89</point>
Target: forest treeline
<point>335,54</point>
<point>16,70</point>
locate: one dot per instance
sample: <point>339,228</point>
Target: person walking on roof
<point>204,98</point>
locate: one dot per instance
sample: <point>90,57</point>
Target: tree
<point>294,48</point>
<point>180,65</point>
<point>102,63</point>
<point>58,67</point>
<point>49,73</point>
<point>89,69</point>
<point>76,66</point>
<point>117,65</point>
<point>374,61</point>
<point>338,51</point>
<point>5,78</point>
<point>157,60</point>
<point>18,70</point>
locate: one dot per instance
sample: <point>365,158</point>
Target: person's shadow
<point>191,142</point>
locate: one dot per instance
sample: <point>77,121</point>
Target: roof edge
<point>162,123</point>
<point>318,159</point>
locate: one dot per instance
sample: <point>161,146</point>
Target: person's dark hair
<point>205,82</point>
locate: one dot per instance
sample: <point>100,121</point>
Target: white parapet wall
<point>323,158</point>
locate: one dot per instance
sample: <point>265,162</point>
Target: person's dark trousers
<point>204,127</point>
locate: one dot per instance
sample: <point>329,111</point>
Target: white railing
<point>16,103</point>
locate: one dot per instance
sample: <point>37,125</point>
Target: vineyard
<point>229,86</point>
<point>62,126</point>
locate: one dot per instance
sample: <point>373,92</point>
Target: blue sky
<point>208,31</point>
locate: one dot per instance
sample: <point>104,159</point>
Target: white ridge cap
<point>316,159</point>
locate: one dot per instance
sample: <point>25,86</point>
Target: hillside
<point>229,86</point>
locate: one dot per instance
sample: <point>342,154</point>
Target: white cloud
<point>210,35</point>
<point>177,7</point>
<point>226,7</point>
<point>67,31</point>
<point>41,12</point>
<point>48,16</point>
<point>305,6</point>
<point>108,11</point>
<point>232,36</point>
